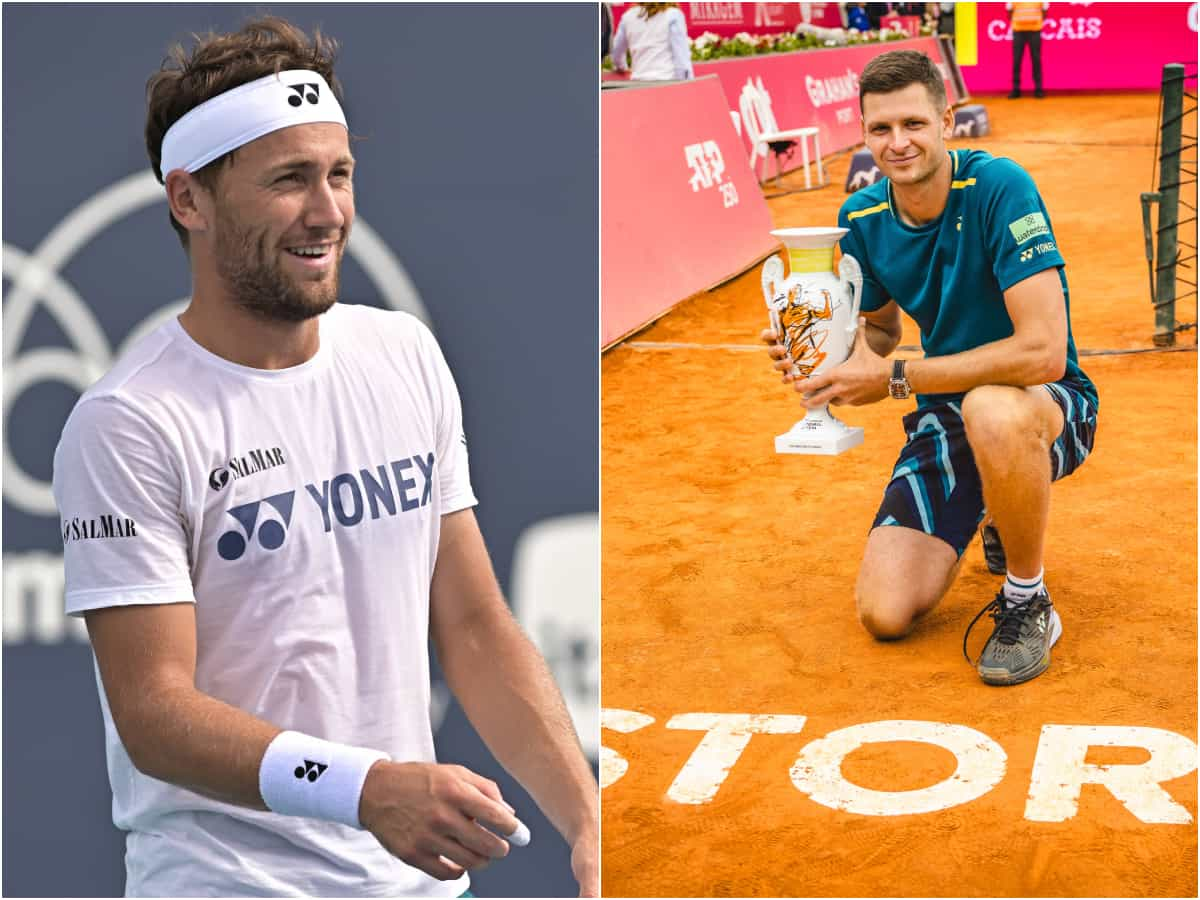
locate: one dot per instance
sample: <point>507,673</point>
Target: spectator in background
<point>876,12</point>
<point>945,21</point>
<point>655,36</point>
<point>856,16</point>
<point>929,17</point>
<point>1026,19</point>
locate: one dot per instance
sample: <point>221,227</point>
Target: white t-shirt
<point>300,511</point>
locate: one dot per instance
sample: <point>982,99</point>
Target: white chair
<point>765,135</point>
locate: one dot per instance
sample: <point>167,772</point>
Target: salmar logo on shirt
<point>250,463</point>
<point>1028,227</point>
<point>97,528</point>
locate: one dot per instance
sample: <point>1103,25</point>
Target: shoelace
<point>1008,621</point>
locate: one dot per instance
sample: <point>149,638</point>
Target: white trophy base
<point>819,434</point>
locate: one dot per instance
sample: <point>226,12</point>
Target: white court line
<point>674,345</point>
<point>907,348</point>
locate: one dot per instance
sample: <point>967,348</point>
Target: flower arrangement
<point>709,46</point>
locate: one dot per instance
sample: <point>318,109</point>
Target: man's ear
<point>185,197</point>
<point>948,122</point>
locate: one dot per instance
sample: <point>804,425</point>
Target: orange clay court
<point>728,588</point>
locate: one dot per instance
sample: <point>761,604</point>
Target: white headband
<point>247,112</point>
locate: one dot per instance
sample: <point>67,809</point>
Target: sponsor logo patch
<point>1028,227</point>
<point>250,463</point>
<point>97,528</point>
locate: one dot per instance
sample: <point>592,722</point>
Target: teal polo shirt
<point>950,274</point>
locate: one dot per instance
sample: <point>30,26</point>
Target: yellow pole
<point>966,34</point>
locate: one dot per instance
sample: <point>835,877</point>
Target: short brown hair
<point>218,63</point>
<point>896,70</point>
<point>650,10</point>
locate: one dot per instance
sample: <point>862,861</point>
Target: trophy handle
<point>850,274</point>
<point>772,277</point>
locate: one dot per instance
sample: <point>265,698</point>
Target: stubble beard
<point>256,280</point>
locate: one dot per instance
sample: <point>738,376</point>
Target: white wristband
<point>306,776</point>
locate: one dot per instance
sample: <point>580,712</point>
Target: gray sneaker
<point>1019,648</point>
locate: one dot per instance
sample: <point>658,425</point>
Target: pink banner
<point>680,209</point>
<point>815,87</point>
<point>727,19</point>
<point>1088,46</point>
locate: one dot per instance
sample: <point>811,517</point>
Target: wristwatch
<point>899,387</point>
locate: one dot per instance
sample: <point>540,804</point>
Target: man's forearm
<point>185,737</point>
<point>510,697</point>
<point>1011,361</point>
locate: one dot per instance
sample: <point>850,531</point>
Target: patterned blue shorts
<point>935,487</point>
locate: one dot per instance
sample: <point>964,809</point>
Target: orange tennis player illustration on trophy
<point>797,318</point>
<point>815,314</point>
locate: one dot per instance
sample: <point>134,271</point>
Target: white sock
<point>1020,590</point>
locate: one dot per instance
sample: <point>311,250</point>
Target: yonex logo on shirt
<point>347,499</point>
<point>271,534</point>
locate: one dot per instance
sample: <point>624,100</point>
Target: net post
<point>1168,204</point>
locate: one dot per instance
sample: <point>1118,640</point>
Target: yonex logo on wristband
<point>310,92</point>
<point>310,770</point>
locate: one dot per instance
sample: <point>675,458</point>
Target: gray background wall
<point>479,172</point>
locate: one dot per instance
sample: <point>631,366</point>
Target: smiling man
<point>962,243</point>
<point>291,480</point>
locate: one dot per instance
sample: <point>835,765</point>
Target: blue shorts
<point>935,487</point>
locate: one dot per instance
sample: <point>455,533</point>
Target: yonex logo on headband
<point>301,91</point>
<point>246,113</point>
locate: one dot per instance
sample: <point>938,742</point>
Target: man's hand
<point>861,379</point>
<point>585,863</point>
<point>777,352</point>
<point>433,816</point>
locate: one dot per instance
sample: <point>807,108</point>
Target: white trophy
<point>815,314</point>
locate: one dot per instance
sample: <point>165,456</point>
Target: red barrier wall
<point>1088,46</point>
<point>680,209</point>
<point>727,19</point>
<point>816,87</point>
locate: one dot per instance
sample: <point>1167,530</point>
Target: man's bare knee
<point>885,621</point>
<point>996,416</point>
<point>1003,421</point>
